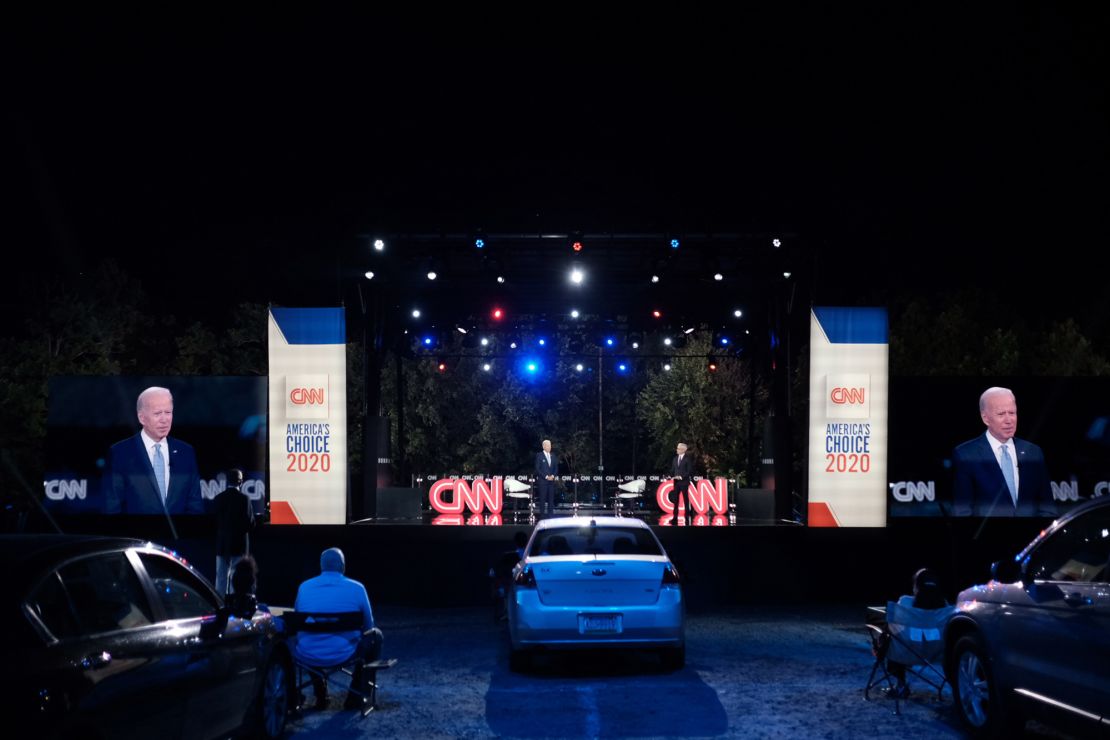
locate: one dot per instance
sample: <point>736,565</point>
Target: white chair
<point>519,491</point>
<point>627,492</point>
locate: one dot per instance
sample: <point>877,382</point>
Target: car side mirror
<point>1007,571</point>
<point>214,626</point>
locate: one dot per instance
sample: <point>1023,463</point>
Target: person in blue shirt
<point>329,593</point>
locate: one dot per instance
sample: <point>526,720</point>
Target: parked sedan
<point>1036,639</point>
<point>114,638</point>
<point>595,582</point>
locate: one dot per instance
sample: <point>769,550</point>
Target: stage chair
<point>913,637</point>
<point>519,491</point>
<point>627,493</point>
<point>315,622</point>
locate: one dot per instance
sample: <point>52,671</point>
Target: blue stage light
<point>674,243</point>
<point>724,341</point>
<point>610,341</point>
<point>427,341</point>
<point>480,243</point>
<point>542,342</point>
<point>622,367</point>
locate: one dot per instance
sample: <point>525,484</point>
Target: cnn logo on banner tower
<point>848,396</point>
<point>306,396</point>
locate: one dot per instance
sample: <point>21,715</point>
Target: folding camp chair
<point>314,622</point>
<point>912,637</point>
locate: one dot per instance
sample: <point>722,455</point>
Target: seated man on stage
<point>329,593</point>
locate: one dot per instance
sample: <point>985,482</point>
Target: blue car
<point>595,582</point>
<point>1035,641</point>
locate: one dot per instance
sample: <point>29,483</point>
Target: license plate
<point>599,623</point>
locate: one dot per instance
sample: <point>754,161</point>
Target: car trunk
<point>586,581</point>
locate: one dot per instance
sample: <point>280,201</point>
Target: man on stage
<point>682,471</point>
<point>547,467</point>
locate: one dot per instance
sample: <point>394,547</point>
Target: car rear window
<point>587,540</point>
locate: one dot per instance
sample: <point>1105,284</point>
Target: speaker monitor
<point>398,503</point>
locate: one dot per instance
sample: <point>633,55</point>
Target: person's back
<point>331,592</point>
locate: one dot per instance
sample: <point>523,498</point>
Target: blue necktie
<point>1008,473</point>
<point>160,471</point>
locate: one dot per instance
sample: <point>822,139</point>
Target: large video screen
<point>942,463</point>
<point>97,461</point>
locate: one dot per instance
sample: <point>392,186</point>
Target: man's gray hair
<point>996,390</point>
<point>332,559</point>
<point>151,391</point>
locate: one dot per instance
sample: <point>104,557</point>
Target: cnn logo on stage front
<point>848,396</point>
<point>306,396</point>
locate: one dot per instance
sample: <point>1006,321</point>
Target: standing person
<point>152,473</point>
<point>234,522</point>
<point>547,467</point>
<point>682,471</point>
<point>997,474</point>
<point>329,593</point>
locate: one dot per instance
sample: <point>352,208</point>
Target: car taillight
<point>525,579</point>
<point>670,575</point>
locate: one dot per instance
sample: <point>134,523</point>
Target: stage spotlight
<point>667,341</point>
<point>500,278</point>
<point>737,313</point>
<point>574,313</point>
<point>688,331</point>
<point>379,245</point>
<point>622,367</point>
<point>576,246</point>
<point>786,275</point>
<point>634,340</point>
<point>486,367</point>
<point>542,342</point>
<point>655,278</point>
<point>724,341</point>
<point>718,277</point>
<point>666,367</point>
<point>416,313</point>
<point>427,341</point>
<point>442,366</point>
<point>711,364</point>
<point>369,274</point>
<point>432,275</point>
<point>484,341</point>
<point>479,243</point>
<point>610,342</point>
<point>674,243</point>
<point>512,345</point>
<point>497,314</point>
<point>577,276</point>
<point>657,314</point>
<point>776,243</point>
<point>579,367</point>
<point>460,330</point>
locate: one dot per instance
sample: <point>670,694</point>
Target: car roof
<point>25,556</point>
<point>586,521</point>
<point>1065,520</point>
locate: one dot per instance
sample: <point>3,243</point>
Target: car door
<point>220,666</point>
<point>1059,631</point>
<point>104,664</point>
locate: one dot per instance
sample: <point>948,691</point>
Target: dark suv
<point>1036,639</point>
<point>121,638</point>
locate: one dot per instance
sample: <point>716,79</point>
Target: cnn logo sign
<point>306,396</point>
<point>848,396</point>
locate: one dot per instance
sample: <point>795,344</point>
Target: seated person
<point>244,583</point>
<point>329,593</point>
<point>926,595</point>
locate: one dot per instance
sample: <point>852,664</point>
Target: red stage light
<point>657,314</point>
<point>577,246</point>
<point>497,314</point>
<point>442,367</point>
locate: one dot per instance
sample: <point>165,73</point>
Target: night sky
<point>241,154</point>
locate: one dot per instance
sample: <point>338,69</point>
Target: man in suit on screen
<point>997,474</point>
<point>153,473</point>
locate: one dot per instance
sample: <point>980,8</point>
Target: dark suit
<point>980,490</point>
<point>130,488</point>
<point>545,489</point>
<point>682,472</point>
